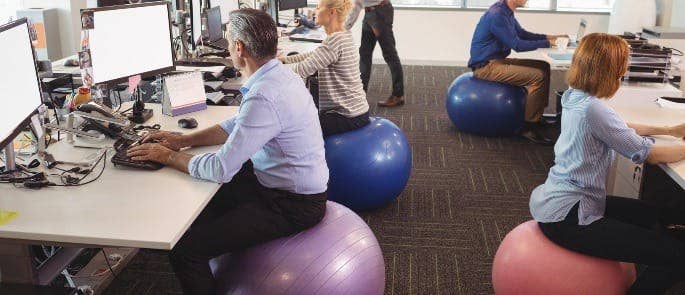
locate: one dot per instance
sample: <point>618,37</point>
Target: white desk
<point>543,54</point>
<point>635,103</point>
<point>286,46</point>
<point>124,208</point>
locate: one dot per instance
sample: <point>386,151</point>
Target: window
<point>434,3</point>
<point>479,3</point>
<point>532,4</point>
<point>585,5</point>
<point>8,10</point>
<point>539,4</point>
<point>550,5</point>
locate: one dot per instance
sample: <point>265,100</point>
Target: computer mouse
<point>187,123</point>
<point>71,63</point>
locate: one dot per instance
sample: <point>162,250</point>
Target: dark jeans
<point>380,20</point>
<point>243,213</point>
<point>630,231</point>
<point>333,123</point>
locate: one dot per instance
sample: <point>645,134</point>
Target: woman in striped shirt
<point>572,208</point>
<point>342,100</point>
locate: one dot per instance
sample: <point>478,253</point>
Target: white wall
<point>69,20</point>
<point>678,14</point>
<point>663,12</point>
<point>443,37</point>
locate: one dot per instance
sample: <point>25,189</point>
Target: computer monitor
<point>106,3</point>
<point>19,84</point>
<point>195,22</point>
<point>130,40</point>
<point>214,23</point>
<point>291,4</point>
<point>272,9</point>
<point>226,7</point>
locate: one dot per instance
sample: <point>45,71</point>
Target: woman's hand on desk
<point>678,131</point>
<point>171,140</point>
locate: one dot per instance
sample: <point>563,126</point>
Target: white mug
<point>562,43</point>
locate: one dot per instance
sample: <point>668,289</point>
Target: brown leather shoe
<point>392,101</point>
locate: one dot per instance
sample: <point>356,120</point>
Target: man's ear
<point>239,48</point>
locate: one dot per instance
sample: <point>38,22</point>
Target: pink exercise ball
<point>529,263</point>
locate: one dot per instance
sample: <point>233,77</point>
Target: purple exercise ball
<point>340,255</point>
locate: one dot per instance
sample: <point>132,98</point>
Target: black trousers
<point>243,213</point>
<point>630,231</point>
<point>333,123</point>
<point>380,20</point>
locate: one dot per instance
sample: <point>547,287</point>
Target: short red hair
<point>598,64</point>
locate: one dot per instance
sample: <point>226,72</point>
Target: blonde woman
<point>342,100</point>
<point>572,208</point>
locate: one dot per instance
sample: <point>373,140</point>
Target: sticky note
<point>6,216</point>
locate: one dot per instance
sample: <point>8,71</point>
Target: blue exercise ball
<point>369,167</point>
<point>485,108</point>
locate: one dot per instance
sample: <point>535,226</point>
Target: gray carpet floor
<point>440,236</point>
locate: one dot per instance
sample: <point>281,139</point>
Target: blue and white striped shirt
<point>590,133</point>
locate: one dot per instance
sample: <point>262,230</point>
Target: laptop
<point>581,33</point>
<point>308,35</point>
<point>216,34</point>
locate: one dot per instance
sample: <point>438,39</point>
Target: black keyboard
<point>120,158</point>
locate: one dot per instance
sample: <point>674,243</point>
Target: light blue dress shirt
<point>590,133</point>
<point>277,127</point>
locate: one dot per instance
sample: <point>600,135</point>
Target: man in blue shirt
<point>272,163</point>
<point>497,33</point>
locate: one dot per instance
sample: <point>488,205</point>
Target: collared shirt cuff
<point>228,125</point>
<point>640,156</point>
<point>193,165</point>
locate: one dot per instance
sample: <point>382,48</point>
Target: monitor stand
<point>10,160</point>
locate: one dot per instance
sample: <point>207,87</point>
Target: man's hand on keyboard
<point>171,140</point>
<point>154,152</point>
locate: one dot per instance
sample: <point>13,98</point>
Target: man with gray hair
<point>272,163</point>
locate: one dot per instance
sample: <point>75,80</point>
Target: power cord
<point>69,180</point>
<point>677,52</point>
<point>117,258</point>
<point>108,264</point>
<point>39,180</point>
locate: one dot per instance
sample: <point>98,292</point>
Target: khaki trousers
<point>533,74</point>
